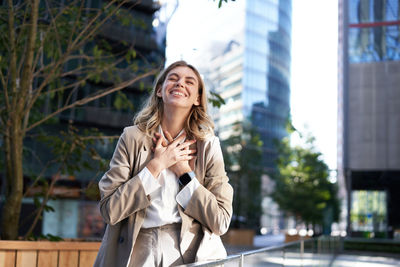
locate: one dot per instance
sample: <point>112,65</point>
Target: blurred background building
<point>251,72</point>
<point>369,116</point>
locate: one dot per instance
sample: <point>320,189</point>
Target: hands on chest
<point>176,155</point>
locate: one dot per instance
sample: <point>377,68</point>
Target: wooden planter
<point>239,237</point>
<point>47,254</point>
<point>293,238</point>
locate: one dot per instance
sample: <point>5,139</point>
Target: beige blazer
<point>123,202</point>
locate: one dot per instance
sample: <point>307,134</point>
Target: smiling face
<point>180,88</point>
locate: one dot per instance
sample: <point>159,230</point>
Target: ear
<point>158,92</point>
<point>197,102</point>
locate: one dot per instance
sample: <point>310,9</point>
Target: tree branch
<point>75,45</point>
<point>76,22</point>
<point>94,137</point>
<point>13,60</point>
<point>44,202</point>
<point>60,89</point>
<point>4,84</point>
<point>54,23</point>
<point>26,80</point>
<point>43,40</point>
<point>38,177</point>
<point>83,32</point>
<point>93,97</point>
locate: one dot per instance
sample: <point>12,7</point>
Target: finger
<point>179,139</point>
<point>185,158</point>
<point>158,136</point>
<point>164,143</point>
<point>159,143</point>
<point>187,152</point>
<point>186,144</point>
<point>168,136</point>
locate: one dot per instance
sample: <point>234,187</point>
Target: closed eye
<point>173,77</point>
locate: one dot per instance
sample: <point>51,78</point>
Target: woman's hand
<point>183,166</point>
<point>174,154</point>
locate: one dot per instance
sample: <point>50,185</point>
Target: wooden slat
<point>68,259</point>
<point>87,258</point>
<point>47,245</point>
<point>26,258</point>
<point>7,258</point>
<point>47,258</point>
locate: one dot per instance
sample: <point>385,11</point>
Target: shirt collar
<point>160,130</point>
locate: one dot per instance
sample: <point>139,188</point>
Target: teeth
<point>178,93</point>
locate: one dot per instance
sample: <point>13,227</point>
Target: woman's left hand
<point>180,167</point>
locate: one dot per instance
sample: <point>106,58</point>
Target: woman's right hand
<point>166,156</point>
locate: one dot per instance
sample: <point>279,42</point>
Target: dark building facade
<point>369,116</point>
<point>75,215</point>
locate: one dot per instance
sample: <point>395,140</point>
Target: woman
<point>166,198</point>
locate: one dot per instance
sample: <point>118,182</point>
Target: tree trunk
<point>14,180</point>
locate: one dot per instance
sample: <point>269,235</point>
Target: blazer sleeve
<point>121,196</point>
<point>211,204</point>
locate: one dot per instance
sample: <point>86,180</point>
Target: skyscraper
<point>252,74</point>
<point>369,116</point>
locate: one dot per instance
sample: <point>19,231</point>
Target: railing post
<point>241,263</point>
<point>301,251</point>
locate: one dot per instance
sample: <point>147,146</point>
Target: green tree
<point>49,52</point>
<point>303,189</point>
<point>243,159</point>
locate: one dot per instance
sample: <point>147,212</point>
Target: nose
<point>179,83</point>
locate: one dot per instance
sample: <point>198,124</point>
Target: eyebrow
<point>187,77</point>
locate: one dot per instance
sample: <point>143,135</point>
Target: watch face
<point>185,179</point>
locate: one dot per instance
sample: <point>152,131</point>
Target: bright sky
<point>314,58</point>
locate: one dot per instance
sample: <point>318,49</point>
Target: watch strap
<point>186,178</point>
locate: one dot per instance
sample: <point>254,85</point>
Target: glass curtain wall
<point>266,93</point>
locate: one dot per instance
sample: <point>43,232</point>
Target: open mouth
<point>178,93</point>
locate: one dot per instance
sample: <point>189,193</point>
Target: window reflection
<point>374,30</point>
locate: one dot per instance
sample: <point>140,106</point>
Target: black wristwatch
<point>186,178</point>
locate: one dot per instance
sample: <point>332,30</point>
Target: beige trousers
<point>157,247</point>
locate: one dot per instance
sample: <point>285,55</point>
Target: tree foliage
<point>302,186</point>
<point>50,51</point>
<point>243,160</point>
<point>221,1</point>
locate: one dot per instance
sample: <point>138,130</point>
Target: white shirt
<point>165,195</point>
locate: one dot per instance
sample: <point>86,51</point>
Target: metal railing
<point>319,251</point>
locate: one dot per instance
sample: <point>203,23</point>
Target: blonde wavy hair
<point>198,124</point>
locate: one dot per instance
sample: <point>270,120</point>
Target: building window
<point>368,212</point>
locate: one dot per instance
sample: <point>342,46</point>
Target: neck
<point>174,120</point>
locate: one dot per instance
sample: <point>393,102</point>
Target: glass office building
<point>369,116</point>
<point>253,73</point>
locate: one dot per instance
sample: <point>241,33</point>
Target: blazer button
<point>121,239</point>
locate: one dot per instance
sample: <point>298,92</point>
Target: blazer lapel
<point>145,153</point>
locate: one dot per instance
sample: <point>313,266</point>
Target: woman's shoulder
<point>134,138</point>
<point>133,134</point>
<point>133,131</point>
<point>210,140</point>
